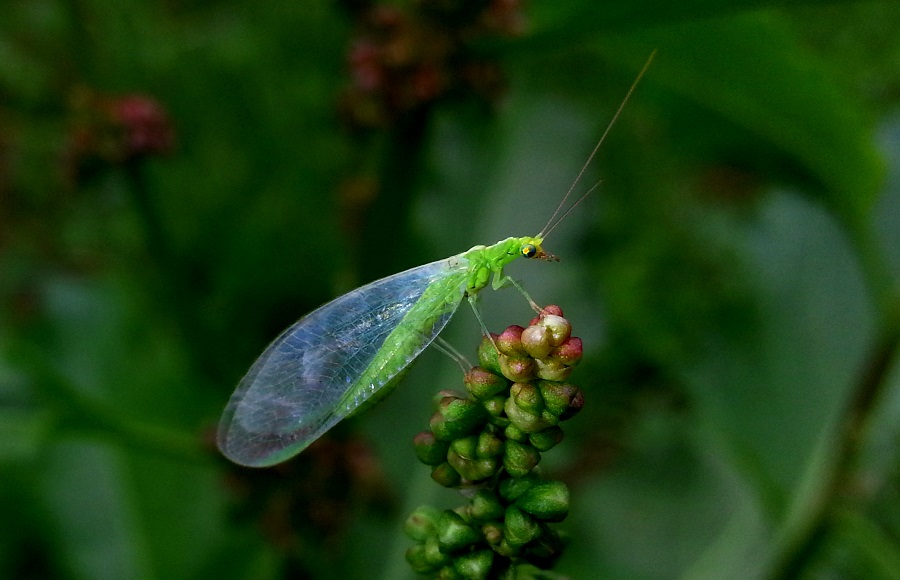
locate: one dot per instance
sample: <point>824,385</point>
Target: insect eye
<point>529,251</point>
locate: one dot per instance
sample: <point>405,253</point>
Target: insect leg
<point>484,328</point>
<point>501,281</point>
<point>447,348</point>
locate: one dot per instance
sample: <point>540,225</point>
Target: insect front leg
<point>501,280</point>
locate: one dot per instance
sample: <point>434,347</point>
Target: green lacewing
<point>339,356</point>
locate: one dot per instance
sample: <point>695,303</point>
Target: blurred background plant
<point>179,181</point>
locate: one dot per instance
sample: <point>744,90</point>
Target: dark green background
<point>734,278</point>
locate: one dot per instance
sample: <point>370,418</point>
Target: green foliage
<point>181,180</point>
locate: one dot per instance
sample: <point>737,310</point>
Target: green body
<point>398,350</point>
<point>352,352</point>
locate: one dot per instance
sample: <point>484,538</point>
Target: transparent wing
<point>309,378</point>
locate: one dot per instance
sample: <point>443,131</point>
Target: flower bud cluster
<point>111,130</point>
<point>491,440</point>
<point>404,58</point>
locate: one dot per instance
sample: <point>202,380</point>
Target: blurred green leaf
<point>90,516</point>
<point>752,71</point>
<point>22,433</point>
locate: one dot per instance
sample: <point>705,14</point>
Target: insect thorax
<point>487,260</point>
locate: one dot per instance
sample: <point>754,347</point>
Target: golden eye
<point>529,251</point>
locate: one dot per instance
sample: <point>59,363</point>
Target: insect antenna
<point>544,234</point>
<point>550,223</point>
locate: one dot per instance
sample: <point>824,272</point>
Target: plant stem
<point>851,437</point>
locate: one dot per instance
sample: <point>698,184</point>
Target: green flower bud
<point>549,417</point>
<point>463,511</point>
<point>551,369</point>
<point>569,352</point>
<point>536,341</point>
<point>518,527</point>
<point>473,469</point>
<point>433,555</point>
<point>483,384</point>
<point>487,467</point>
<point>443,394</point>
<point>494,405</point>
<point>457,409</point>
<point>445,475</point>
<point>547,439</point>
<point>465,447</point>
<point>448,573</point>
<point>548,501</point>
<point>474,566</point>
<point>457,418</point>
<point>418,559</point>
<point>500,422</point>
<point>561,398</point>
<point>559,328</point>
<point>523,420</point>
<point>454,533</point>
<point>509,342</point>
<point>489,445</point>
<point>512,432</point>
<point>516,369</point>
<point>504,548</point>
<point>545,550</point>
<point>520,459</point>
<point>527,397</point>
<point>422,523</point>
<point>488,355</point>
<point>461,465</point>
<point>429,450</point>
<point>486,506</point>
<point>513,488</point>
<point>493,532</point>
